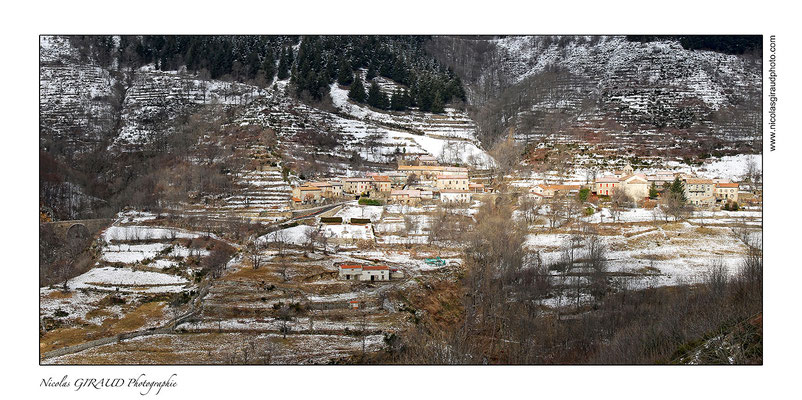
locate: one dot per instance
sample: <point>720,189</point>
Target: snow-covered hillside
<point>611,61</point>
<point>83,102</point>
<point>608,89</point>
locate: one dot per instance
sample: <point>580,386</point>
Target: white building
<point>455,196</point>
<point>635,186</point>
<point>356,272</point>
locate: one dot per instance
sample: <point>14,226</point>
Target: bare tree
<point>279,240</point>
<point>507,153</point>
<point>285,315</point>
<point>254,250</point>
<point>596,255</point>
<point>529,208</point>
<point>312,238</point>
<point>590,175</point>
<point>619,199</point>
<point>716,278</point>
<point>410,224</point>
<point>753,174</point>
<point>673,205</point>
<point>555,212</point>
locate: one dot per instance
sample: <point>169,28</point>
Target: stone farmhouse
<point>725,192</point>
<point>699,191</point>
<point>452,182</point>
<point>382,183</point>
<point>306,194</point>
<point>427,160</point>
<point>367,273</point>
<point>357,186</point>
<point>405,196</point>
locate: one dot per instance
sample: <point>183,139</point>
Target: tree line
<point>318,62</point>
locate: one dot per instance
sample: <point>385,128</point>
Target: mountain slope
<point>597,86</point>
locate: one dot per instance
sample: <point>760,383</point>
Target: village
<point>362,254</point>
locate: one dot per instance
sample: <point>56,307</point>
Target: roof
<point>431,168</point>
<point>357,179</point>
<point>452,176</point>
<point>350,266</point>
<point>410,193</point>
<point>475,185</point>
<point>308,188</point>
<point>699,181</point>
<point>561,187</point>
<point>607,179</point>
<point>453,191</point>
<point>353,301</point>
<point>381,178</point>
<point>640,177</point>
<point>295,199</point>
<point>727,185</point>
<point>320,184</point>
<point>375,268</point>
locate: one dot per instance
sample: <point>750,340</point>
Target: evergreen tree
<point>375,97</point>
<point>357,91</point>
<point>653,191</point>
<point>331,70</point>
<point>425,96</point>
<point>399,72</point>
<point>437,104</point>
<point>678,188</point>
<point>345,75</point>
<point>284,64</point>
<point>269,67</point>
<point>371,72</point>
<point>398,100</point>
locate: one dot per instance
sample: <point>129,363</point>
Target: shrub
<point>369,202</point>
<point>583,194</point>
<point>589,211</point>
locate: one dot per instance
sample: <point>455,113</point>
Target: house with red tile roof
<point>725,192</point>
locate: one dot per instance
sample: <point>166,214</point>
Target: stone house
<point>325,188</point>
<point>699,191</point>
<point>405,196</point>
<point>381,183</point>
<point>452,182</point>
<point>660,178</point>
<point>476,187</point>
<point>336,188</point>
<point>357,185</point>
<point>307,194</point>
<point>427,160</point>
<point>725,192</point>
<point>552,190</point>
<point>398,179</point>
